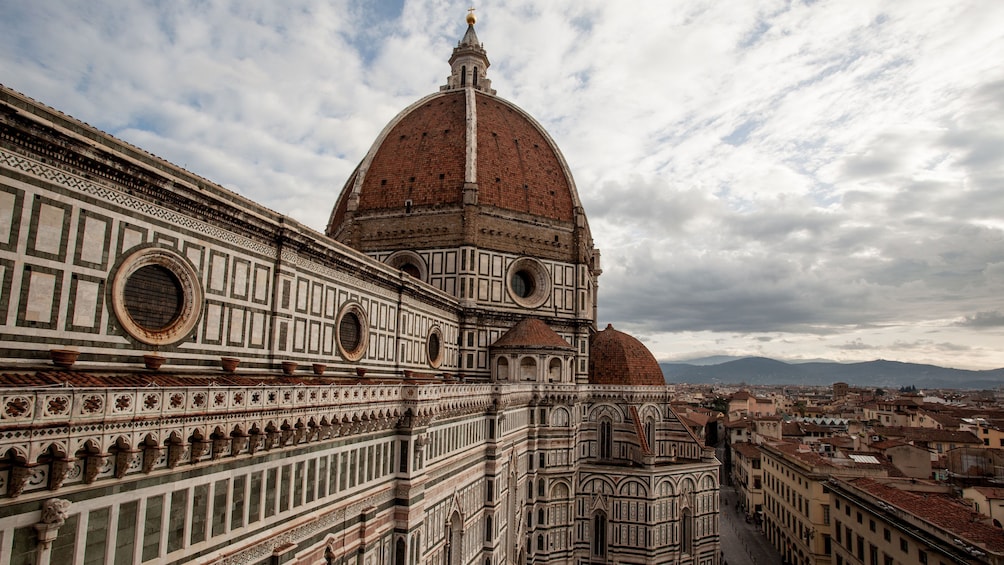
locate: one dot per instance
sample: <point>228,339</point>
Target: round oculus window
<point>352,332</point>
<point>528,282</point>
<point>522,284</point>
<point>434,347</point>
<point>156,296</point>
<point>409,262</point>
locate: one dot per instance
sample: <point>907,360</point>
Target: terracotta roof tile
<point>531,332</point>
<point>928,435</point>
<point>424,155</point>
<point>992,493</point>
<point>747,450</point>
<point>517,167</point>
<point>84,379</point>
<point>616,358</point>
<point>942,511</point>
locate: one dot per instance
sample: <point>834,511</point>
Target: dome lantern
<point>469,62</point>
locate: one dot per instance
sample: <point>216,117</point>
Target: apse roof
<point>616,358</point>
<point>533,333</point>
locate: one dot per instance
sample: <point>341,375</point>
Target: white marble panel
<point>49,235</point>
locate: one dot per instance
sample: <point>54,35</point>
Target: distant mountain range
<point>878,374</point>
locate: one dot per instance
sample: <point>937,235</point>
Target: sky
<point>792,179</point>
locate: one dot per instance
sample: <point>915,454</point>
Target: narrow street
<point>742,541</point>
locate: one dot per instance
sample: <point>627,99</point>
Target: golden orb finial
<point>471,18</point>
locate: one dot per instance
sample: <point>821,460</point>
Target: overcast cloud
<point>792,179</point>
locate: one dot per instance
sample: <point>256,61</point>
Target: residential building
<point>747,477</point>
<point>988,501</point>
<point>898,521</point>
<point>797,506</point>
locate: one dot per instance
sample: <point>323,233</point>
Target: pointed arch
<point>614,413</point>
<point>687,531</point>
<point>455,538</point>
<point>400,552</point>
<point>598,539</point>
<point>604,438</point>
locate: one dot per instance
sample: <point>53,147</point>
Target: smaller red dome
<point>616,358</point>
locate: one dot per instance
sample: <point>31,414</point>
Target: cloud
<point>991,319</point>
<point>814,172</point>
<point>855,345</point>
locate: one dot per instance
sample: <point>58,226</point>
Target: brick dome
<point>463,167</point>
<point>427,156</point>
<point>616,358</point>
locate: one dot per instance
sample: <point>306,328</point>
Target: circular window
<point>153,297</point>
<point>409,262</point>
<point>522,284</point>
<point>156,296</point>
<point>434,347</point>
<point>528,282</point>
<point>352,332</point>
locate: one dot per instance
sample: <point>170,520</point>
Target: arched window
<point>540,517</point>
<point>474,78</point>
<point>650,434</point>
<point>502,369</point>
<point>606,444</point>
<point>463,75</point>
<point>455,539</point>
<point>528,369</point>
<point>687,531</point>
<point>554,371</point>
<point>400,558</point>
<point>529,489</point>
<point>540,542</point>
<point>599,545</point>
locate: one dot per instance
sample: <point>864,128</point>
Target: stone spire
<point>469,62</point>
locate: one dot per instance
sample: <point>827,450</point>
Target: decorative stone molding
<point>352,347</point>
<point>82,435</point>
<point>184,276</point>
<point>55,512</point>
<point>528,282</point>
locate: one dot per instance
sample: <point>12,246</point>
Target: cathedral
<point>189,377</point>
